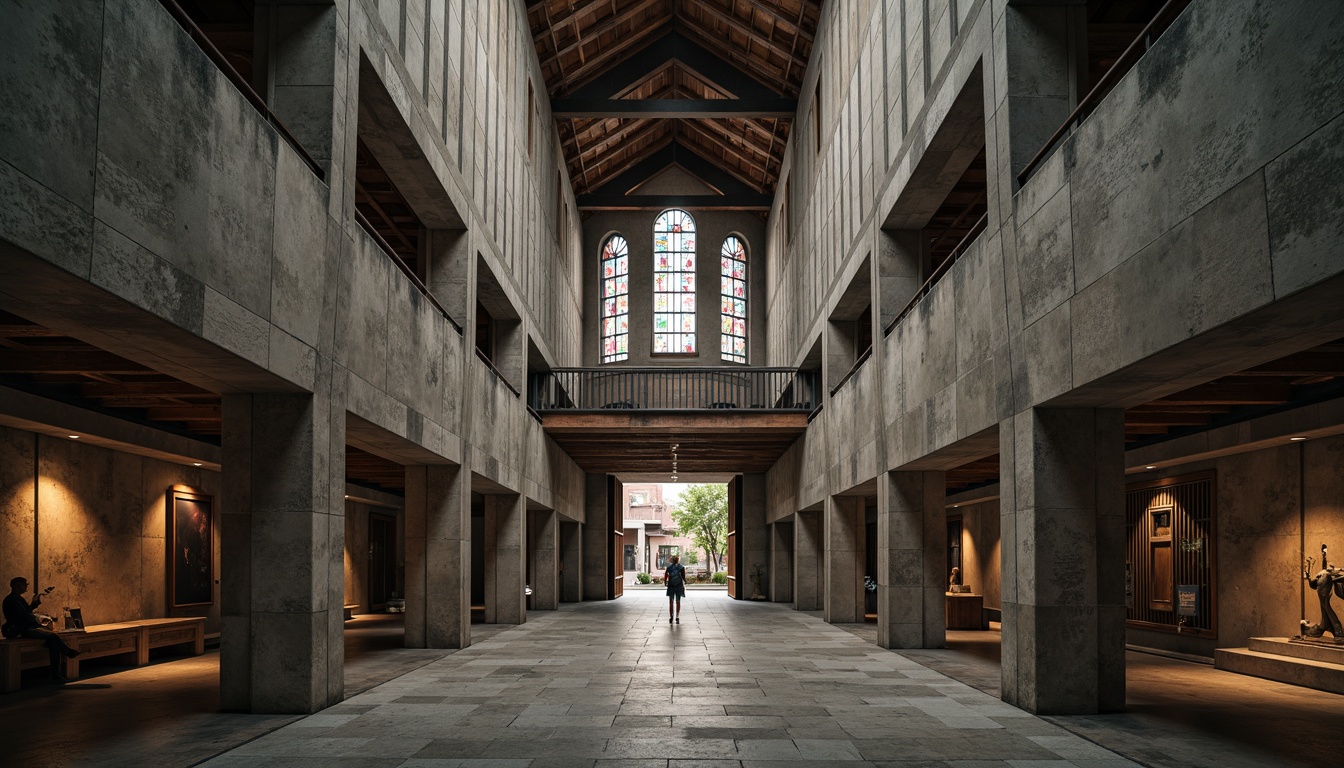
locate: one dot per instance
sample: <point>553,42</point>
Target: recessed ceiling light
<point>954,506</point>
<point>1297,439</point>
<point>1150,466</point>
<point>74,437</point>
<point>195,463</point>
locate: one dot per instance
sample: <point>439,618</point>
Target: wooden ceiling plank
<point>593,33</point>
<point>591,67</point>
<point>12,361</point>
<point>780,17</point>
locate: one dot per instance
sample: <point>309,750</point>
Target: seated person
<point>20,622</point>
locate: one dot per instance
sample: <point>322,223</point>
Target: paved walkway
<point>750,685</point>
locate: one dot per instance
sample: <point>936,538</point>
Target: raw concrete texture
<point>100,529</point>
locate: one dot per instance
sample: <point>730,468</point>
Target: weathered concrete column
<point>900,269</point>
<point>911,551</point>
<point>282,534</point>
<point>844,559</point>
<point>438,557</point>
<point>544,543</point>
<point>753,535</point>
<point>571,555</point>
<point>781,563</point>
<point>1045,51</point>
<point>1062,519</point>
<point>599,494</point>
<point>300,52</point>
<point>505,568</point>
<point>809,562</point>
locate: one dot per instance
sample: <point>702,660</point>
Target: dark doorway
<point>382,560</point>
<point>629,557</point>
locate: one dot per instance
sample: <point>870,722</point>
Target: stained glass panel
<point>616,299</point>
<point>733,302</point>
<point>674,283</point>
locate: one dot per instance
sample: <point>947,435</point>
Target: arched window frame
<point>674,299</point>
<point>614,328</point>
<point>733,300</point>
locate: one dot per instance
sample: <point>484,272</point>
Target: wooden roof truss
<point>714,79</point>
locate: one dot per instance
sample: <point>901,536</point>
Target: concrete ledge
<point>1323,676</point>
<point>1279,646</point>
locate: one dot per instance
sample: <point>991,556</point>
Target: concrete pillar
<point>601,492</point>
<point>1045,47</point>
<point>900,270</point>
<point>911,551</point>
<point>1062,520</point>
<point>843,535</point>
<point>543,545</point>
<point>781,563</point>
<point>301,55</point>
<point>438,557</point>
<point>571,558</point>
<point>753,535</point>
<point>282,536</point>
<point>809,562</point>
<point>505,568</point>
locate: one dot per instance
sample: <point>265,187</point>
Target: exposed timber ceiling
<point>47,362</point>
<point>713,442</point>
<point>709,86</point>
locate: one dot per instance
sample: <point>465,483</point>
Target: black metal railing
<point>942,269</point>
<point>1140,45</point>
<point>674,389</point>
<point>222,62</point>
<point>406,270</point>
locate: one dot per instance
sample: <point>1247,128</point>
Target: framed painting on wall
<point>191,574</point>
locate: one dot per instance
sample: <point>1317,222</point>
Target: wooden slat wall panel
<point>1193,550</point>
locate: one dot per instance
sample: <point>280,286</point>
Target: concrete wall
<point>1266,527</point>
<point>100,530</point>
<point>358,509</point>
<point>1134,262</point>
<point>711,228</point>
<point>981,550</point>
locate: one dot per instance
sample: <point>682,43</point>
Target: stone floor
<point>747,685</point>
<point>613,685</point>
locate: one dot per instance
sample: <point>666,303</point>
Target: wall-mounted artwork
<point>190,568</point>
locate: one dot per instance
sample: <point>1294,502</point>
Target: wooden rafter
<point>677,49</point>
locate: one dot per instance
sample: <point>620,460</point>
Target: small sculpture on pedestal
<point>1329,579</point>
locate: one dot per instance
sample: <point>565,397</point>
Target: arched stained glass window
<point>674,283</point>
<point>615,300</point>
<point>733,300</point>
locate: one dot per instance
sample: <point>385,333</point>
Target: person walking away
<point>675,579</point>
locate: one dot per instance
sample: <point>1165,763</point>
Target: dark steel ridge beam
<point>738,202</point>
<point>673,154</point>
<point>674,46</point>
<point>674,108</point>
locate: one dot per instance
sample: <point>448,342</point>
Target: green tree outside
<point>702,515</point>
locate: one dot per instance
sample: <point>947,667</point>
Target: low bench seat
<point>127,637</point>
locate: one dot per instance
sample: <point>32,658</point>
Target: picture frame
<point>190,539</point>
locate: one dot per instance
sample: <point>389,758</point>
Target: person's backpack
<point>677,577</point>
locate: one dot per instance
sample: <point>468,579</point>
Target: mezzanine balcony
<point>661,421</point>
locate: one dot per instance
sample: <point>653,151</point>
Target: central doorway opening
<point>689,521</point>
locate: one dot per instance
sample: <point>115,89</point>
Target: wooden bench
<point>350,609</point>
<point>128,637</point>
